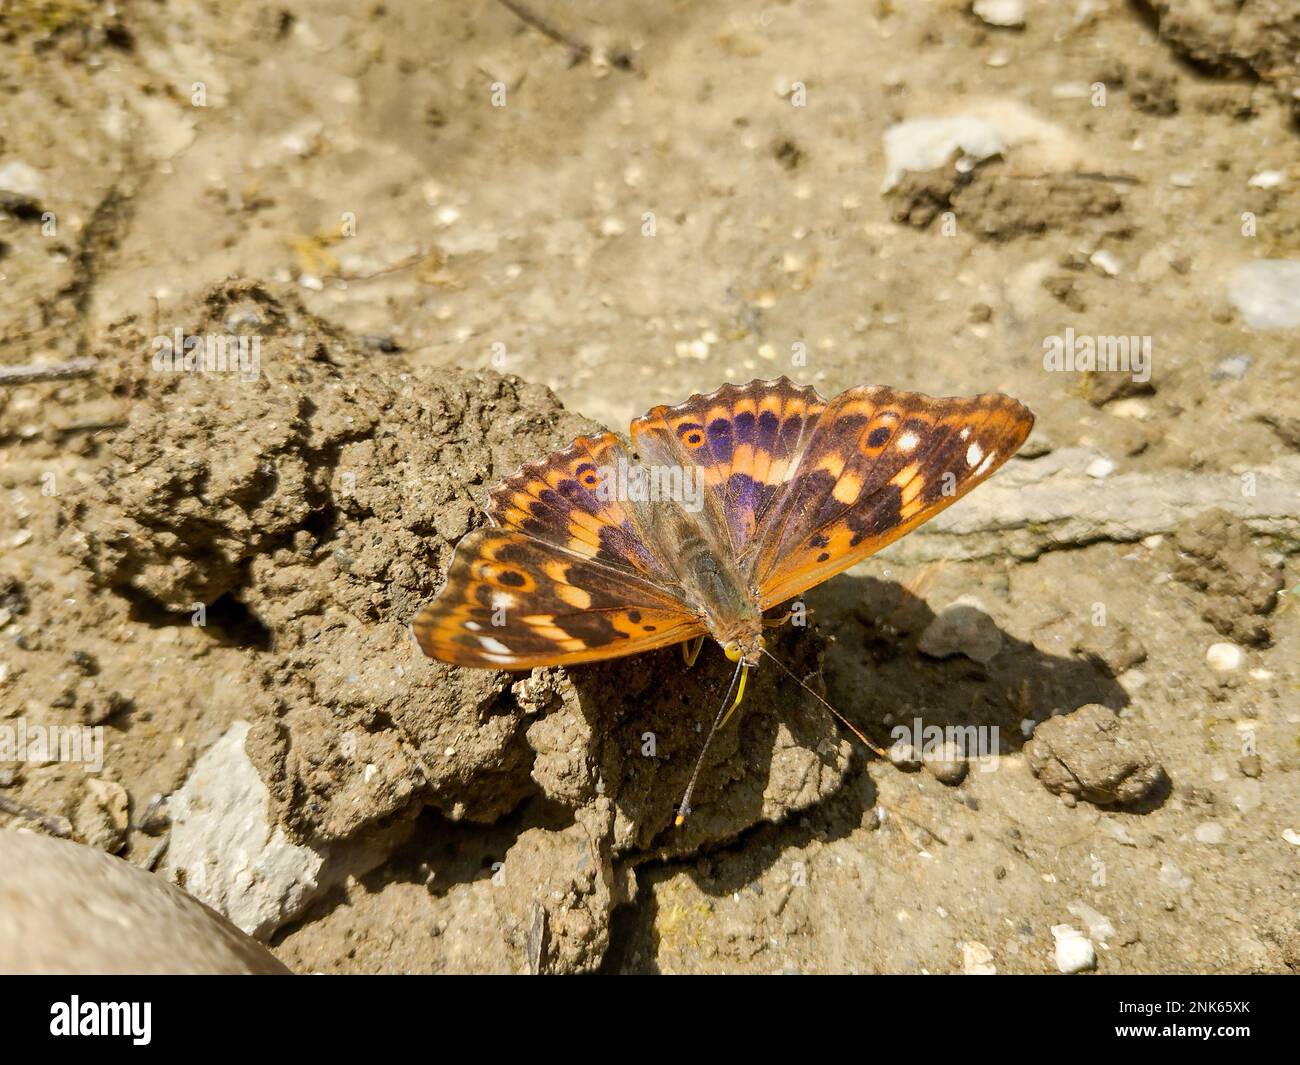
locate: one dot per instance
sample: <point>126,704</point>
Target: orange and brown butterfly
<point>724,507</point>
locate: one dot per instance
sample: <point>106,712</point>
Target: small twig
<point>48,371</point>
<point>1080,175</point>
<point>413,260</point>
<point>55,826</point>
<point>580,51</point>
<point>88,427</point>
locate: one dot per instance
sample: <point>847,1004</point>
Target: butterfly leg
<point>798,610</point>
<point>691,650</point>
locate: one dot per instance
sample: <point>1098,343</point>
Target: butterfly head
<point>745,648</point>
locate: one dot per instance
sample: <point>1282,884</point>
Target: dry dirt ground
<point>457,243</point>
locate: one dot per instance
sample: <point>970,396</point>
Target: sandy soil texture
<point>432,242</point>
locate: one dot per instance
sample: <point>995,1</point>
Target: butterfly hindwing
<point>745,439</point>
<point>880,463</point>
<point>512,601</point>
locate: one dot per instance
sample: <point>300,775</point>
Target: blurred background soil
<point>460,242</point>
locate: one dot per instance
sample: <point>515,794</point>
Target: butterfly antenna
<point>842,719</point>
<point>724,713</point>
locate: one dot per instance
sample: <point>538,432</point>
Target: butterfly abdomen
<point>720,592</point>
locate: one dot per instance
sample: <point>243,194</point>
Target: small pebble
<point>1233,368</point>
<point>1009,14</point>
<point>1100,468</point>
<point>1210,832</point>
<point>962,628</point>
<point>1250,766</point>
<point>1130,407</point>
<point>1266,293</point>
<point>947,765</point>
<point>977,959</point>
<point>904,756</point>
<point>1223,657</point>
<point>1173,877</point>
<point>1266,179</point>
<point>1246,795</point>
<point>1074,951</point>
<point>1291,836</point>
<point>1105,262</point>
<point>1098,924</point>
<point>155,819</point>
<point>19,179</point>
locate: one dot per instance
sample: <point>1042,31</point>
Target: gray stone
<point>964,628</point>
<point>1032,507</point>
<point>224,849</point>
<point>72,909</point>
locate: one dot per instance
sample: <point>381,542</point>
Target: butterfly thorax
<point>717,589</point>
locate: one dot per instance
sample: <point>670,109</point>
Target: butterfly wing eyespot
<point>691,435</point>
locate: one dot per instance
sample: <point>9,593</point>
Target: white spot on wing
<point>490,643</point>
<point>965,433</point>
<point>907,441</point>
<point>988,461</point>
<point>973,454</point>
<point>502,600</point>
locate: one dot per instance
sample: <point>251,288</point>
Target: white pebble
<point>1266,179</point>
<point>1008,13</point>
<point>1210,832</point>
<point>1266,293</point>
<point>1105,262</point>
<point>1223,657</point>
<point>921,144</point>
<point>1246,795</point>
<point>1291,836</point>
<point>1231,368</point>
<point>1071,90</point>
<point>1130,407</point>
<point>18,178</point>
<point>1100,468</point>
<point>1098,924</point>
<point>977,959</point>
<point>1074,951</point>
<point>1173,877</point>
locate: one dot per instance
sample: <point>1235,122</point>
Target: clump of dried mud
<point>318,513</point>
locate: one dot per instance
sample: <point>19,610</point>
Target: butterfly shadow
<point>865,631</point>
<point>649,716</point>
<point>971,673</point>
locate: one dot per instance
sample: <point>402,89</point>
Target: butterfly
<point>724,507</point>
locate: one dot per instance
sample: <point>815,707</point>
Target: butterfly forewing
<point>745,439</point>
<point>880,463</point>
